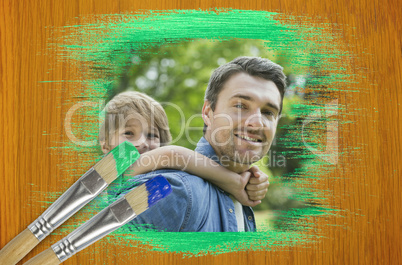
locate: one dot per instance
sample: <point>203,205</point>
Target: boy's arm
<point>180,158</point>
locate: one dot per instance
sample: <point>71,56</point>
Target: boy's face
<point>137,131</point>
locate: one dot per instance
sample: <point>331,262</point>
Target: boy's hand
<point>253,187</point>
<point>249,187</point>
<point>240,193</point>
<point>257,186</point>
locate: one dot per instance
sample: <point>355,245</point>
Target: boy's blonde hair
<point>130,102</point>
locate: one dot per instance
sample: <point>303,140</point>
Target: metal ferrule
<point>79,194</point>
<point>105,222</point>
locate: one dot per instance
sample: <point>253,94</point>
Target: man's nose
<point>255,119</point>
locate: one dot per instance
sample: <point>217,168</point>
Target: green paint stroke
<point>103,50</point>
<point>125,154</point>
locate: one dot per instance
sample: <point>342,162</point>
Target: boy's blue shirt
<point>195,205</point>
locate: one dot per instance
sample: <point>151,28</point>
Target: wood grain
<point>32,115</point>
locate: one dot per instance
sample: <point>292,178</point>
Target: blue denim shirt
<point>194,204</point>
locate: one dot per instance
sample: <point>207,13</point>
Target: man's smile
<point>249,138</point>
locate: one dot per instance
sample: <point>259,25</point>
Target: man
<point>242,106</point>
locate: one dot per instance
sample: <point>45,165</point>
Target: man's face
<point>243,124</point>
<point>138,131</point>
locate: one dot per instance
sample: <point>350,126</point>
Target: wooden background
<point>32,115</point>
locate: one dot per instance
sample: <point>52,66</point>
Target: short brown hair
<point>254,66</point>
<point>130,102</point>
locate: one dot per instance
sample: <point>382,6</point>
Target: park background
<point>369,190</point>
<point>177,76</point>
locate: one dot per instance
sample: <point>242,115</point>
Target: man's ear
<point>207,113</point>
<point>105,147</point>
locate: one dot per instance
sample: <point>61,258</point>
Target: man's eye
<point>239,106</point>
<point>268,113</point>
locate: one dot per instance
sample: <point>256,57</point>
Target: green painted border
<point>102,48</point>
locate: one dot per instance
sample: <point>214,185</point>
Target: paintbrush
<point>90,185</point>
<point>111,218</point>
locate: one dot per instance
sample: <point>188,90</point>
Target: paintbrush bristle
<point>107,168</point>
<point>147,194</point>
<point>117,161</point>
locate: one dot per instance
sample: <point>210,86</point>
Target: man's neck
<point>236,167</point>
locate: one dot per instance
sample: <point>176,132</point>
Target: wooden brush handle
<point>47,257</point>
<point>17,248</point>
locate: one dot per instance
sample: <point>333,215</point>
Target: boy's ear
<point>105,147</point>
<point>207,113</point>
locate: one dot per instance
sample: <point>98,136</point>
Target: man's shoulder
<point>185,186</point>
<point>175,177</point>
<point>177,211</point>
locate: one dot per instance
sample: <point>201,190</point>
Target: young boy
<point>139,119</point>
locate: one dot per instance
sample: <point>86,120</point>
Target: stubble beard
<point>229,152</point>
